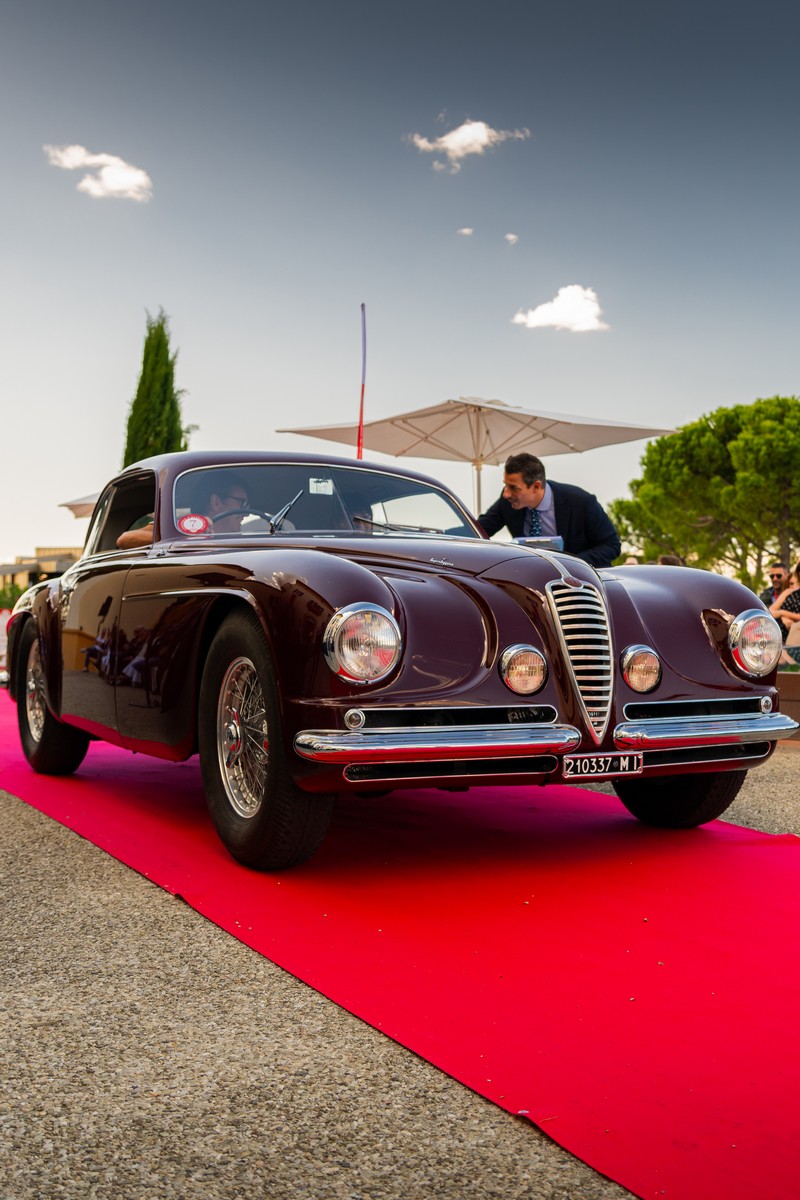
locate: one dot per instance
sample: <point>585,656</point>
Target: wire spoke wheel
<point>35,706</point>
<point>50,746</point>
<point>263,818</point>
<point>243,737</point>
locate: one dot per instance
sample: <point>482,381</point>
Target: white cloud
<point>473,137</point>
<point>467,231</point>
<point>574,308</point>
<point>512,238</point>
<point>107,175</point>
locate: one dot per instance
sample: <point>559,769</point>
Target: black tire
<point>50,747</point>
<point>680,801</point>
<point>263,819</point>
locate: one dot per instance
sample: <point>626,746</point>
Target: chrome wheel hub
<point>242,738</point>
<point>232,738</point>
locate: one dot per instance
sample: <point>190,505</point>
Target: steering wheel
<point>243,512</point>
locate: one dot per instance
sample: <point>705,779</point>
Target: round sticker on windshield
<point>194,523</point>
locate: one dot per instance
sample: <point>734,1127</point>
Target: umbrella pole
<point>360,439</point>
<point>478,467</point>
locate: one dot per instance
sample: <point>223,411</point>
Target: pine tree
<point>154,420</point>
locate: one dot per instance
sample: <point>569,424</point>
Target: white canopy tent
<point>470,429</point>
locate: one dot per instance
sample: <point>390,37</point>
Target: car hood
<point>461,555</point>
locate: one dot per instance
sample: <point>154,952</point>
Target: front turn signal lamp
<point>641,668</point>
<point>523,669</point>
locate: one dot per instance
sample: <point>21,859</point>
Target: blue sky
<point>658,173</point>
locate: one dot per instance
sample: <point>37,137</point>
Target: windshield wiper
<point>397,528</point>
<point>278,519</point>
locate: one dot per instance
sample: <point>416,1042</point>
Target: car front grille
<point>582,624</point>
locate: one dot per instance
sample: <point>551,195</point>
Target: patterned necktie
<point>532,523</point>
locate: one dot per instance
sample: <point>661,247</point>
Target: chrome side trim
<point>204,591</point>
<point>399,745</point>
<point>674,732</point>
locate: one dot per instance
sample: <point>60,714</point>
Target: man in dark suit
<point>531,505</point>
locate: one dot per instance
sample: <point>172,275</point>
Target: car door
<point>90,601</point>
<point>90,595</point>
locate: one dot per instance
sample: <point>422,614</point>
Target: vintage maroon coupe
<point>316,625</point>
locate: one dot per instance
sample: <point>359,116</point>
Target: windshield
<point>281,498</point>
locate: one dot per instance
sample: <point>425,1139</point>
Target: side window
<point>97,522</point>
<point>130,502</point>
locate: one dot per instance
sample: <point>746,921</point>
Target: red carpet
<point>635,993</point>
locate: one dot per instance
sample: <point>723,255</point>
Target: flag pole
<point>360,444</point>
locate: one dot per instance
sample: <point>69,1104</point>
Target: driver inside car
<point>225,504</point>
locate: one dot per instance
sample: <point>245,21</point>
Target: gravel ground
<point>145,1053</point>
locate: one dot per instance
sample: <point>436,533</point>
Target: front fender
<point>32,605</point>
<point>295,595</point>
<point>696,609</point>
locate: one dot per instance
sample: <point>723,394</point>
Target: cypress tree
<point>154,419</point>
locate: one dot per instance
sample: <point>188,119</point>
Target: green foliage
<point>9,595</point>
<point>722,492</point>
<point>154,419</point>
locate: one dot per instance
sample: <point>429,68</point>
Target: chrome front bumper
<point>431,743</point>
<point>675,733</point>
<point>415,744</point>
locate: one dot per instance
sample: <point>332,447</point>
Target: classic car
<point>313,625</point>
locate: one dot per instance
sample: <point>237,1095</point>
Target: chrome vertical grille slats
<point>581,620</point>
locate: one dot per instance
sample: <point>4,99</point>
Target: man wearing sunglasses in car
<point>226,494</point>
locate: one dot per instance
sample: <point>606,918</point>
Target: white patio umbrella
<point>83,507</point>
<point>481,431</point>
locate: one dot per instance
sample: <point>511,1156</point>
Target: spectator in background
<point>779,580</point>
<point>670,560</point>
<point>786,610</point>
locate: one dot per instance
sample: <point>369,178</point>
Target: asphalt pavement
<point>146,1053</point>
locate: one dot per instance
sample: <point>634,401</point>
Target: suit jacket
<point>580,520</point>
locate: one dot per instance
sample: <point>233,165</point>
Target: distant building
<point>47,562</point>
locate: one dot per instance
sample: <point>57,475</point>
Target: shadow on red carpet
<point>633,992</point>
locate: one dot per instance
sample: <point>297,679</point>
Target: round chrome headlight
<point>641,668</point>
<point>755,640</point>
<point>362,643</point>
<point>523,669</point>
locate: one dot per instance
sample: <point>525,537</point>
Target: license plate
<point>592,766</point>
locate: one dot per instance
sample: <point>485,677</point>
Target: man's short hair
<point>528,466</point>
<point>781,565</point>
